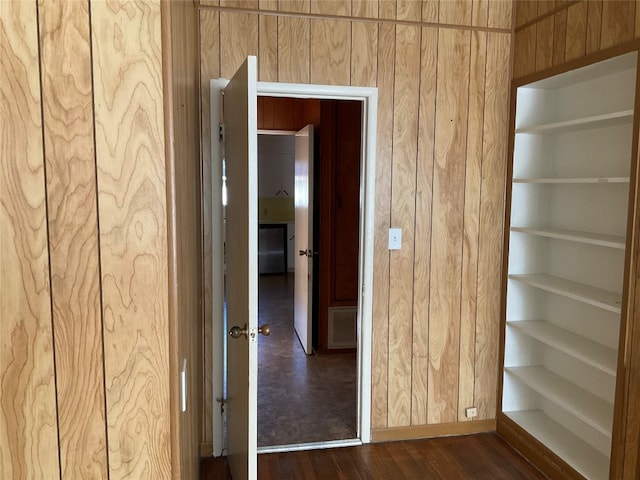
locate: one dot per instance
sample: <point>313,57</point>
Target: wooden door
<point>304,236</point>
<point>241,243</point>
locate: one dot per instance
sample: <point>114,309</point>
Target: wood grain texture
<point>526,11</point>
<point>618,22</point>
<point>182,152</point>
<point>446,238</point>
<point>594,25</point>
<point>544,44</point>
<point>524,57</point>
<point>364,8</point>
<point>410,10</point>
<point>559,37</point>
<point>294,37</point>
<point>384,153</point>
<point>456,12</point>
<point>209,68</point>
<point>297,6</point>
<point>471,223</point>
<point>575,44</point>
<point>332,7</point>
<point>129,121</point>
<point>496,115</point>
<point>500,13</point>
<point>330,52</point>
<point>430,10</point>
<point>480,13</point>
<point>28,423</point>
<point>238,39</point>
<point>387,9</point>
<point>403,188</point>
<point>73,237</point>
<point>364,54</point>
<point>422,250</point>
<point>268,49</point>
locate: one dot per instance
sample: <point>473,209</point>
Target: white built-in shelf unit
<point>567,239</point>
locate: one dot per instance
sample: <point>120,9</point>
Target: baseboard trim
<point>436,430</point>
<point>206,450</point>
<point>535,452</point>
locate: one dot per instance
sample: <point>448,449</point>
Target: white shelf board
<point>573,180</point>
<point>611,241</point>
<point>577,401</point>
<point>592,353</point>
<point>577,124</point>
<point>610,301</point>
<point>588,461</point>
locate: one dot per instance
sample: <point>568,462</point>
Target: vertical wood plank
<point>544,44</point>
<point>28,423</point>
<point>268,48</point>
<point>364,54</point>
<point>384,155</point>
<point>422,250</point>
<point>524,57</point>
<point>594,25</point>
<point>331,7</point>
<point>456,12</point>
<point>243,4</point>
<point>387,9</point>
<point>238,39</point>
<point>500,13</point>
<point>576,31</point>
<point>294,38</point>
<point>129,129</point>
<point>73,236</point>
<point>480,12</point>
<point>447,222</point>
<point>496,115</point>
<point>430,10</point>
<point>559,36</point>
<point>209,68</point>
<point>545,6</point>
<point>297,6</point>
<point>410,10</point>
<point>637,23</point>
<point>405,137</point>
<point>471,216</point>
<point>364,9</point>
<point>330,52</point>
<point>618,22</point>
<point>526,11</point>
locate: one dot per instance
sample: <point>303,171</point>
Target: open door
<point>304,237</point>
<point>241,244</point>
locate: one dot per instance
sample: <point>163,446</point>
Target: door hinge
<point>221,131</point>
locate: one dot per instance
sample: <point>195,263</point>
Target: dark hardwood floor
<point>474,457</point>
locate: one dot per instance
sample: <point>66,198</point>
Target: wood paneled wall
<point>442,72</point>
<point>552,36</point>
<point>100,239</point>
<point>549,34</point>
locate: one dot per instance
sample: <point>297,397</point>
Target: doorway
<point>312,397</point>
<point>368,97</point>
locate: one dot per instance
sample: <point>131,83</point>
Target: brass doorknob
<point>237,332</point>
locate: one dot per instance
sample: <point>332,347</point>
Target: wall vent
<point>342,327</point>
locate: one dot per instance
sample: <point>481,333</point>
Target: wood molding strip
<point>435,430</point>
<point>550,13</point>
<point>346,18</point>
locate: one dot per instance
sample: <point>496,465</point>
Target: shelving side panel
<point>587,460</point>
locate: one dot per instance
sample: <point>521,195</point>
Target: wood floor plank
<point>474,457</point>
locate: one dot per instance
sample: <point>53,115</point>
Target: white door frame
<point>368,96</point>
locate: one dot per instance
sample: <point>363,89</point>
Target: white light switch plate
<point>395,238</point>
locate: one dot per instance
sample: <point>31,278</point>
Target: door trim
<point>368,96</point>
